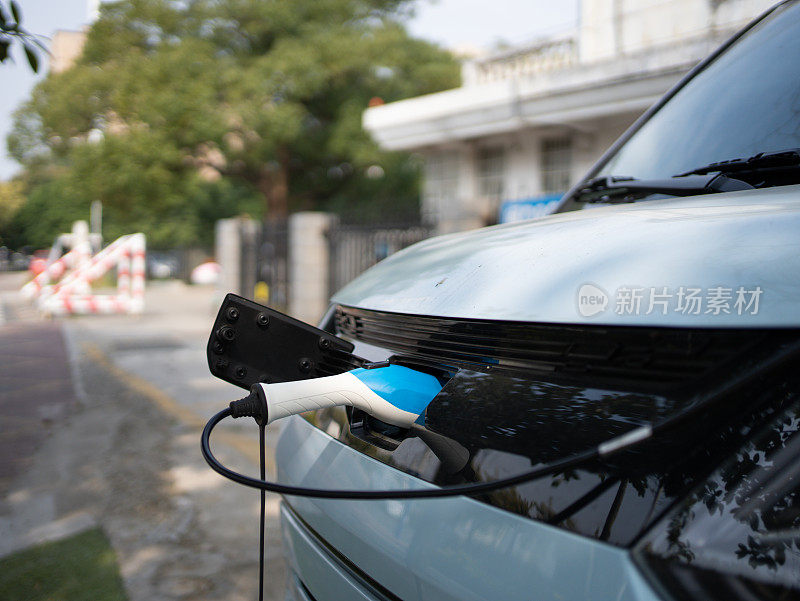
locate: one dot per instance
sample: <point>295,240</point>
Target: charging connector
<point>253,405</point>
<point>394,394</point>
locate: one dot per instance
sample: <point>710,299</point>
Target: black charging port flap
<point>251,343</point>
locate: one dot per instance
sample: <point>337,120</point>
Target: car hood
<point>590,266</point>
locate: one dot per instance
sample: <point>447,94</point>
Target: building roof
<point>612,63</point>
<point>570,94</point>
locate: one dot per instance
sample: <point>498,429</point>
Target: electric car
<point>666,291</point>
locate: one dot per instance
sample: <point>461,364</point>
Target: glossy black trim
<point>685,583</point>
<point>303,589</point>
<point>493,420</point>
<point>643,358</point>
<point>735,536</point>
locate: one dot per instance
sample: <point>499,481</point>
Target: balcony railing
<point>549,55</point>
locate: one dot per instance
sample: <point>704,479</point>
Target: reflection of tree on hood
<point>543,421</point>
<point>759,489</point>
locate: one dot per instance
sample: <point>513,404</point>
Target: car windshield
<point>745,102</point>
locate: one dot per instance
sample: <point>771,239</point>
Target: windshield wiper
<point>763,161</point>
<point>614,188</point>
<point>776,167</point>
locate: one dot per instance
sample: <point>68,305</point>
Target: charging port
<point>251,343</point>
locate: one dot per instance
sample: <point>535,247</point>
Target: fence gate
<point>270,265</point>
<point>354,248</point>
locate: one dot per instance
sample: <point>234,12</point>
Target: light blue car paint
<point>533,271</point>
<point>321,570</point>
<point>458,548</point>
<point>435,549</point>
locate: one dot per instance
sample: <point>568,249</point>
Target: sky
<point>454,24</point>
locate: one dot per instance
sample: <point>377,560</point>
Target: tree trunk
<point>274,185</point>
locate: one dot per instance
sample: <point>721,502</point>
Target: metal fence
<point>267,263</point>
<point>182,260</point>
<point>356,248</point>
<point>264,255</point>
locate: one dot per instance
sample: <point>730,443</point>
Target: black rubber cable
<point>263,476</point>
<point>425,493</point>
<point>606,449</point>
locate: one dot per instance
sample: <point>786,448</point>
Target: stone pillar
<point>227,253</point>
<point>235,248</point>
<point>309,265</point>
<point>250,232</point>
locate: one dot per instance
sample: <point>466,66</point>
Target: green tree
<point>11,30</point>
<point>180,112</point>
<point>12,197</point>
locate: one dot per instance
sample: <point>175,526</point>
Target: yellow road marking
<point>171,407</point>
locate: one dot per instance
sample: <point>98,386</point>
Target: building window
<point>440,187</point>
<point>556,165</point>
<point>491,173</point>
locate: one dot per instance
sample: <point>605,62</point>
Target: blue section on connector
<point>403,387</point>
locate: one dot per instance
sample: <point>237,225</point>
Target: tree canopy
<point>182,112</point>
<point>11,30</point>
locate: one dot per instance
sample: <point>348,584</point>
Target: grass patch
<point>79,568</point>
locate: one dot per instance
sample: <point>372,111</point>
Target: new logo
<point>591,300</point>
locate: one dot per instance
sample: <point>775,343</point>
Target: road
<point>99,425</point>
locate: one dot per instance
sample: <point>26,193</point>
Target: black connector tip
<point>253,405</point>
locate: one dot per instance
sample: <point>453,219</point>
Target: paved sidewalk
<point>36,397</point>
<point>36,393</point>
<point>123,451</point>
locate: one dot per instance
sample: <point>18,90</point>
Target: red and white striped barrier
<point>79,243</point>
<point>82,304</point>
<point>138,250</point>
<point>72,294</point>
<point>52,272</point>
<point>79,280</point>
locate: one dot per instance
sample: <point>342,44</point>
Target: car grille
<point>649,356</point>
<point>524,394</point>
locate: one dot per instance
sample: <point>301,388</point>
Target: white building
<point>527,122</point>
<point>65,49</point>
